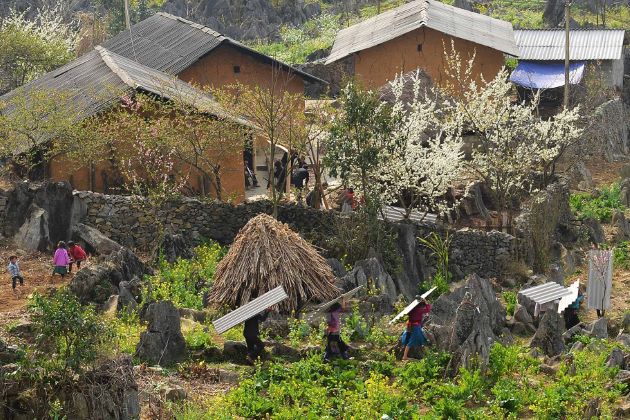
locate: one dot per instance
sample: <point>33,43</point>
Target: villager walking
<point>61,259</point>
<point>335,346</point>
<point>77,255</point>
<point>571,316</point>
<point>14,272</point>
<point>347,201</point>
<point>414,335</point>
<point>251,332</point>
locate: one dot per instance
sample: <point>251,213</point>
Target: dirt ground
<point>36,269</point>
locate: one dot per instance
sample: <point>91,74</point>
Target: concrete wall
<point>423,48</point>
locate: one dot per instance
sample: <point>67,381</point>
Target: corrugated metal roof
<point>453,21</point>
<point>545,293</point>
<point>172,44</point>
<point>97,81</point>
<point>584,44</point>
<point>396,214</point>
<point>250,309</point>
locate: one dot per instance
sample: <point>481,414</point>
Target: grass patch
<point>600,207</point>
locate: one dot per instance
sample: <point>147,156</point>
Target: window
<point>419,47</point>
<point>237,69</point>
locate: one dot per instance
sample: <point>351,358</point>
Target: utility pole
<point>127,15</point>
<point>567,58</point>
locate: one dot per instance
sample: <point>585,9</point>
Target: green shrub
<point>185,281</point>
<point>601,208</point>
<point>198,337</point>
<point>355,327</point>
<point>68,335</point>
<point>510,302</point>
<point>298,331</point>
<point>127,328</point>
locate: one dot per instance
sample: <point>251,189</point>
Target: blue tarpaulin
<point>546,74</point>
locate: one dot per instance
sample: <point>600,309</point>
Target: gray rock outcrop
<point>33,235</point>
<point>549,335</point>
<point>42,212</point>
<point>172,248</point>
<point>467,322</point>
<point>93,240</point>
<point>162,343</point>
<point>96,283</point>
<point>371,272</point>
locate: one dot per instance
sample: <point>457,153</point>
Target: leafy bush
<point>185,281</point>
<point>127,328</point>
<point>198,337</point>
<point>601,207</point>
<point>298,331</point>
<point>510,302</point>
<point>68,335</point>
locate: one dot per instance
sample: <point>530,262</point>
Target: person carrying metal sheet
<point>251,332</point>
<point>335,346</point>
<point>414,335</point>
<point>571,317</point>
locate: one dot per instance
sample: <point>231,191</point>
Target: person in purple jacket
<point>335,346</point>
<point>61,260</point>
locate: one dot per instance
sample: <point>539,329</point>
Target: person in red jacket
<point>414,334</point>
<point>77,255</point>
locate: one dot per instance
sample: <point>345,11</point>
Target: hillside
<point>297,31</point>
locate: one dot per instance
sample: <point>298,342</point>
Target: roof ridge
<point>572,30</point>
<point>195,25</point>
<point>107,58</point>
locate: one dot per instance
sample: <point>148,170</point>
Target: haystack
<point>267,254</point>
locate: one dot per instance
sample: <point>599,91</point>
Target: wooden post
<point>567,61</point>
<point>127,15</point>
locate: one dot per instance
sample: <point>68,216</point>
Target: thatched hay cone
<point>267,254</point>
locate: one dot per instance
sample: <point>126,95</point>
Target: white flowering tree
<point>425,155</point>
<point>512,140</point>
<point>30,47</point>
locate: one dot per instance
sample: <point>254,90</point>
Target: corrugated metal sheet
<point>565,301</point>
<point>250,309</point>
<point>586,44</point>
<point>332,302</point>
<point>172,44</point>
<point>545,293</point>
<point>449,20</point>
<point>412,305</point>
<point>396,214</point>
<point>600,266</point>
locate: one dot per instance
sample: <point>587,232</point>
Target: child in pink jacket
<point>61,260</point>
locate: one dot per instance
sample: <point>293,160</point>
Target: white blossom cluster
<point>425,157</point>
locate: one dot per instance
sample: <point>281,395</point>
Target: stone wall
<point>487,254</point>
<point>129,222</point>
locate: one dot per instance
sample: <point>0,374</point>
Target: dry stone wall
<point>125,220</point>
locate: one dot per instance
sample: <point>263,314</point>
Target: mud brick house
<point>415,35</point>
<point>96,83</point>
<point>201,56</point>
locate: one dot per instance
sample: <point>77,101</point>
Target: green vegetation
<point>510,302</point>
<point>621,255</point>
<point>68,335</point>
<point>439,248</point>
<point>600,206</point>
<point>510,387</point>
<point>298,43</point>
<point>185,281</point>
<point>126,328</point>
